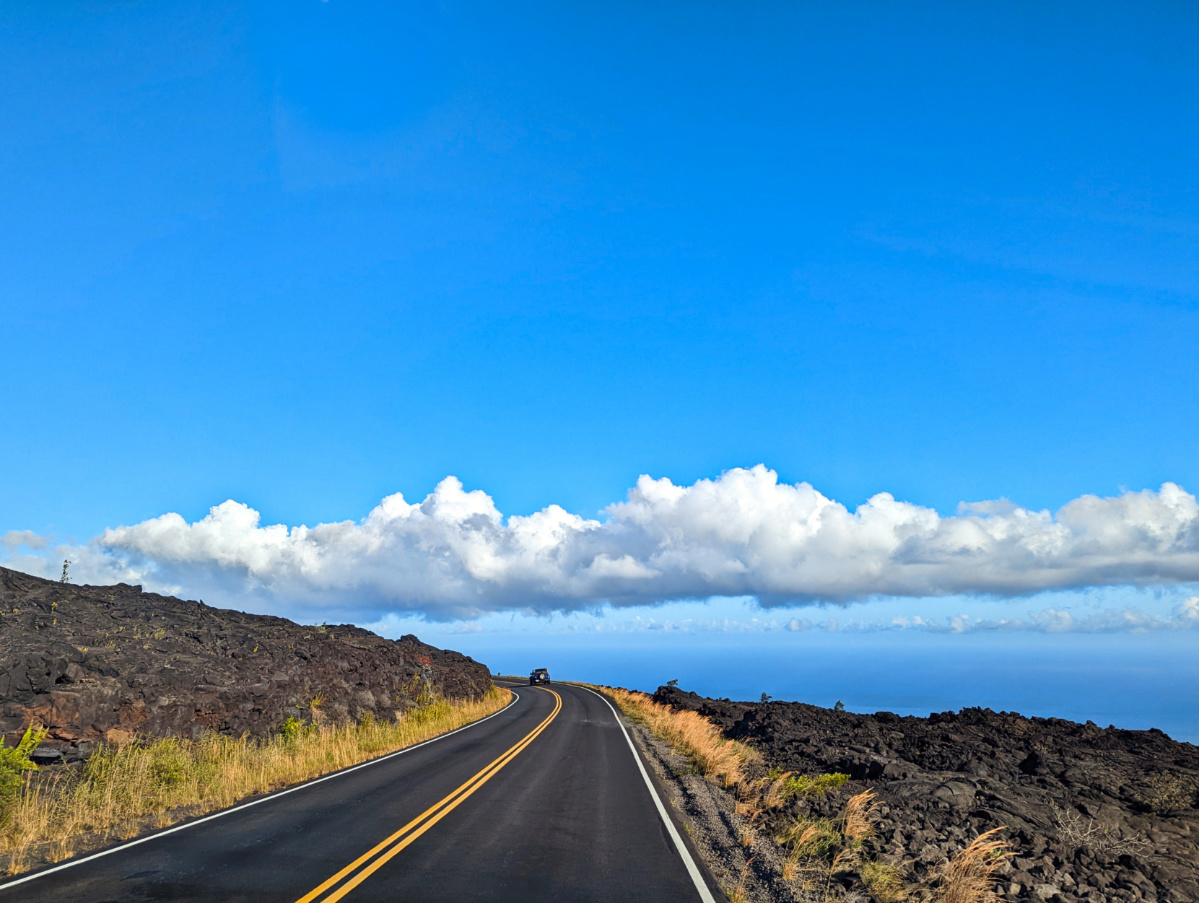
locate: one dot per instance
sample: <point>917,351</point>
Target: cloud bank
<point>744,533</point>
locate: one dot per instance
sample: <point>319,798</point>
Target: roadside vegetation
<point>690,734</point>
<point>125,790</point>
<point>828,850</point>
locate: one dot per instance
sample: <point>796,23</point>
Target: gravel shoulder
<point>709,814</point>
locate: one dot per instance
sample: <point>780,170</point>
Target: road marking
<point>262,799</point>
<point>376,857</point>
<point>692,869</point>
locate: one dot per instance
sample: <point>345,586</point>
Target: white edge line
<point>692,868</point>
<point>262,799</point>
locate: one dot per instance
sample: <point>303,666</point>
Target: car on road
<point>539,676</point>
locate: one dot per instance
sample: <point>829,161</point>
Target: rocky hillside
<point>107,662</point>
<point>1094,814</point>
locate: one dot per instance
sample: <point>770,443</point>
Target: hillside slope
<point>1093,814</point>
<point>107,662</point>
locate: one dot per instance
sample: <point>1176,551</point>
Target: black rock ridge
<point>95,663</point>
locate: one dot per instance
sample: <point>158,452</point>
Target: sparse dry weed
<point>739,894</point>
<point>123,791</point>
<point>1099,840</point>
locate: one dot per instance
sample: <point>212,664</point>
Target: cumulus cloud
<point>744,533</point>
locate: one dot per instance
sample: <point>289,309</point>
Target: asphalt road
<point>545,800</point>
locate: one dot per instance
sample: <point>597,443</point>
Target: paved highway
<point>545,800</point>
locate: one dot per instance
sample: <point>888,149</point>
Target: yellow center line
<point>425,820</point>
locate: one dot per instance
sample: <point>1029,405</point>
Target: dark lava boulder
<point>109,662</point>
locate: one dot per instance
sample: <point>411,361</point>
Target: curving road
<point>546,800</point>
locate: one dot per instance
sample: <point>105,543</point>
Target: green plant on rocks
<point>806,786</point>
<point>1169,793</point>
<point>14,763</point>
<point>293,728</point>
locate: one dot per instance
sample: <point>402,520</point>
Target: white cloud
<point>742,534</point>
<point>1188,611</point>
<point>13,539</point>
<point>1053,620</point>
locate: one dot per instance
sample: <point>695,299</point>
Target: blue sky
<point>306,255</point>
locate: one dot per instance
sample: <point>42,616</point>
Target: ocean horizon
<point>1129,681</point>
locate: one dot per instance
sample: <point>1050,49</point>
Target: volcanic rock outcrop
<point>1093,814</point>
<point>96,663</point>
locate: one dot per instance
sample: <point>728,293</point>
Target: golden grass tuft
<point>861,811</point>
<point>690,734</point>
<point>970,876</point>
<point>123,791</point>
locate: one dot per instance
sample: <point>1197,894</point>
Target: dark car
<point>539,676</point>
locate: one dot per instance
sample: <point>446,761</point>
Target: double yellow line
<point>376,857</point>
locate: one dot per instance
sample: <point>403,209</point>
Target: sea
<point>1133,681</point>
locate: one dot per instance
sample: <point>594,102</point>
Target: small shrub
<point>1168,793</point>
<point>292,728</point>
<point>14,762</point>
<point>838,706</point>
<point>813,787</point>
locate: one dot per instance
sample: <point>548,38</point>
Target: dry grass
<point>861,812</point>
<point>885,881</point>
<point>123,791</point>
<point>970,876</point>
<point>775,794</point>
<point>820,848</point>
<point>690,734</point>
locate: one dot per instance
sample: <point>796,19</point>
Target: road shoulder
<point>711,826</point>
